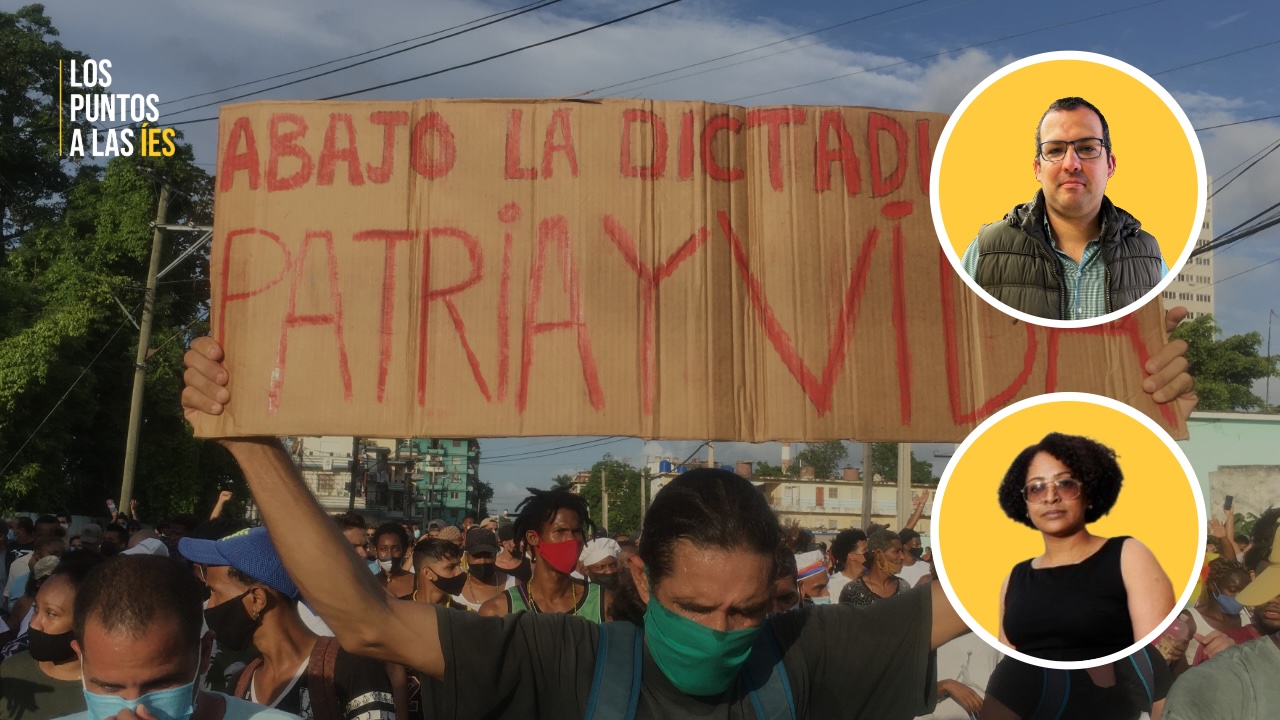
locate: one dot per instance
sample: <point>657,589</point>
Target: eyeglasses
<point>1068,488</point>
<point>1086,149</point>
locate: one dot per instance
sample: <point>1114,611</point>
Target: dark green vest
<point>1017,264</point>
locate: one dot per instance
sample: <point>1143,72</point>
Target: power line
<point>597,26</point>
<point>1242,172</point>
<point>743,52</point>
<point>1217,57</point>
<point>349,57</point>
<point>1248,270</point>
<point>543,4</point>
<point>476,62</point>
<point>64,395</point>
<point>1238,122</point>
<point>549,452</point>
<point>947,52</point>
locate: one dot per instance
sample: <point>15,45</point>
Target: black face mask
<point>916,552</point>
<point>485,573</point>
<point>608,581</point>
<point>231,623</point>
<point>451,586</point>
<point>50,648</point>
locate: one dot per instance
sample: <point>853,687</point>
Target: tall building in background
<point>446,471</point>
<point>1193,287</point>
<point>396,479</point>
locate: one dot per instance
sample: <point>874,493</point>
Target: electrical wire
<point>473,63</point>
<point>1224,186</point>
<point>58,404</point>
<point>947,52</point>
<point>787,50</point>
<point>349,57</point>
<point>543,4</point>
<point>549,452</point>
<point>1217,57</point>
<point>753,49</point>
<point>1238,122</point>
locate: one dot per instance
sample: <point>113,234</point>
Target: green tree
<point>66,352</point>
<point>1225,370</point>
<point>32,168</point>
<point>823,457</point>
<point>764,469</point>
<point>561,482</point>
<point>884,462</point>
<point>624,485</point>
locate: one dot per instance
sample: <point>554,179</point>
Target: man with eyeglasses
<point>1070,253</point>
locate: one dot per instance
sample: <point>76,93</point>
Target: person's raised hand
<point>224,496</point>
<point>962,694</point>
<point>1168,380</point>
<point>1214,643</point>
<point>920,499</point>
<point>205,379</point>
<point>1216,528</point>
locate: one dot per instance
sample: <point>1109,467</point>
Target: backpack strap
<point>245,678</point>
<point>1054,693</point>
<point>1141,662</point>
<point>616,693</point>
<point>766,680</point>
<point>325,703</point>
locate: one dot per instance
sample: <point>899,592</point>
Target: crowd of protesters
<point>713,609</point>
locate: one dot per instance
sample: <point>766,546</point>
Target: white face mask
<point>385,565</point>
<point>825,600</point>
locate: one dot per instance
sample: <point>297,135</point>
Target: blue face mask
<point>170,704</point>
<point>13,536</point>
<point>1229,605</point>
<point>824,600</point>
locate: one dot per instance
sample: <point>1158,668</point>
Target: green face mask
<point>696,659</point>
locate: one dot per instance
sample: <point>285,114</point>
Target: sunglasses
<point>1038,491</point>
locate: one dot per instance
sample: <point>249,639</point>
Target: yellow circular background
<point>986,166</point>
<point>980,545</point>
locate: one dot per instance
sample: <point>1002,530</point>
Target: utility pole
<point>140,361</point>
<point>355,460</point>
<point>904,484</point>
<point>604,499</point>
<point>711,453</point>
<point>868,483</point>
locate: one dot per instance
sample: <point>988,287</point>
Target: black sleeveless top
<point>1072,612</point>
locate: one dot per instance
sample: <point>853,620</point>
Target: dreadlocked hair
<point>541,507</point>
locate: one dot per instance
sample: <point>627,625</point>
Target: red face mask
<point>563,556</point>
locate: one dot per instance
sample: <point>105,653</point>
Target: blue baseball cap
<point>249,551</point>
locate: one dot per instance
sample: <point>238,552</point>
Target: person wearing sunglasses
<point>1069,253</point>
<point>1087,596</point>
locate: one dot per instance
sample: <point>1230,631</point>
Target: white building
<point>1193,287</point>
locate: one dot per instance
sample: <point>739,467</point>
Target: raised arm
<point>223,497</point>
<point>918,502</point>
<point>344,593</point>
<point>947,624</point>
<point>1150,592</point>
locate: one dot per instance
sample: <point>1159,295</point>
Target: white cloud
<point>1217,24</point>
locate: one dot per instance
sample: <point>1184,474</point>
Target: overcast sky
<point>180,49</point>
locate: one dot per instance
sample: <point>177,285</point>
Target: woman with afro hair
<point>1087,596</point>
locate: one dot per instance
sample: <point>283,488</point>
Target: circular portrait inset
<point>1068,189</point>
<point>1067,530</point>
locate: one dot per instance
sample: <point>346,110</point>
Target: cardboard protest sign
<point>655,269</point>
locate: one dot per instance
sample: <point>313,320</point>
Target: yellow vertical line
<point>59,108</point>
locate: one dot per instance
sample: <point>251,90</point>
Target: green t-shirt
<point>843,661</point>
<point>26,693</point>
<point>1239,683</point>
